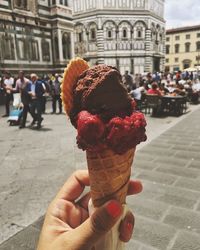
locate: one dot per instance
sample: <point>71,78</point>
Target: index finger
<point>135,187</point>
<point>74,186</point>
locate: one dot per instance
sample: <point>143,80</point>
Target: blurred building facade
<point>42,35</point>
<point>128,34</point>
<point>35,35</point>
<point>182,48</point>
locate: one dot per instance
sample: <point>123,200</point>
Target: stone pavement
<point>35,164</point>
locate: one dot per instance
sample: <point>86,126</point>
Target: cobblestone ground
<point>34,164</point>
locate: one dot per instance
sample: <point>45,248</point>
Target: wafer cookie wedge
<point>74,69</point>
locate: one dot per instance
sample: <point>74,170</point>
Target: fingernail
<point>114,209</point>
<point>129,226</point>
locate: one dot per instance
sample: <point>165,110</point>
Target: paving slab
<point>186,241</point>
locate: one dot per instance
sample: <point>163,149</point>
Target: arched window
<point>109,33</point>
<point>34,51</point>
<point>93,34</point>
<point>177,46</point>
<point>167,49</point>
<point>187,47</point>
<point>66,45</point>
<point>22,49</point>
<point>198,46</point>
<point>139,30</point>
<point>139,34</point>
<point>22,4</point>
<point>80,37</point>
<point>8,47</point>
<point>124,35</point>
<point>45,50</point>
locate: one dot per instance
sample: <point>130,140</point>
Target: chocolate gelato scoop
<point>99,90</point>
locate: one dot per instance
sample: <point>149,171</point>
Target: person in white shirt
<point>137,94</point>
<point>196,86</point>
<point>21,81</point>
<point>8,87</point>
<point>171,86</point>
<point>22,87</point>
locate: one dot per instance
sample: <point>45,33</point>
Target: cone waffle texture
<point>109,175</point>
<point>72,72</point>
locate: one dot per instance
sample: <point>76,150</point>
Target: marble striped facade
<point>129,34</point>
<point>35,35</point>
<point>42,35</point>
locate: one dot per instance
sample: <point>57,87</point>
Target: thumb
<point>100,222</point>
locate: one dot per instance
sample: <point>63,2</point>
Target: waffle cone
<point>109,175</point>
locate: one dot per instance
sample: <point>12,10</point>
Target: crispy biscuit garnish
<point>73,70</point>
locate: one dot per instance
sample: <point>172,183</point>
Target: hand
<point>67,225</point>
<point>32,94</point>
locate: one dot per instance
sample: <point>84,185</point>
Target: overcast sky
<point>182,13</point>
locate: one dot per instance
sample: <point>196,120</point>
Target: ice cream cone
<point>109,175</point>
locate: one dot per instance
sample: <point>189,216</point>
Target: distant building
<point>128,34</point>
<point>42,35</point>
<point>35,35</point>
<point>182,48</point>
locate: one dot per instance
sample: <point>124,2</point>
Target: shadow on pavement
<point>41,129</point>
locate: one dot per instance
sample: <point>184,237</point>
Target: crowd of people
<point>33,92</point>
<point>158,83</point>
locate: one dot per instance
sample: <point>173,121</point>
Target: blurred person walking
<point>127,81</point>
<point>23,86</point>
<point>46,86</point>
<point>55,93</point>
<point>7,83</point>
<point>36,92</point>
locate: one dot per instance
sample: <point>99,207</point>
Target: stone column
<point>100,46</point>
<point>148,58</point>
<point>162,63</point>
<point>60,45</point>
<point>72,45</point>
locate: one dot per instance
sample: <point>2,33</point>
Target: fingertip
<point>126,227</point>
<point>135,187</point>
<point>114,208</point>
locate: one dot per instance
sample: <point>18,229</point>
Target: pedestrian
<point>22,86</point>
<point>154,90</point>
<point>55,93</point>
<point>7,88</point>
<point>46,86</point>
<point>127,81</point>
<point>137,94</point>
<point>36,91</point>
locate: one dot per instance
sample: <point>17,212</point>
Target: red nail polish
<point>129,226</point>
<point>114,209</point>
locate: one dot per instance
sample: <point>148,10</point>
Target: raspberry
<point>119,134</point>
<point>124,134</point>
<point>90,131</point>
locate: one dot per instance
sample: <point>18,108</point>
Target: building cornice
<point>182,29</point>
<point>118,13</point>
